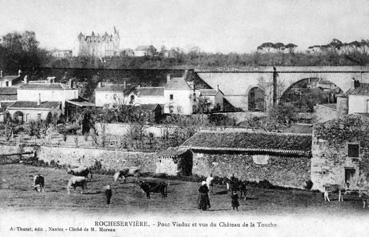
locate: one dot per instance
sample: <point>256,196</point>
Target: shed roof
<point>247,141</point>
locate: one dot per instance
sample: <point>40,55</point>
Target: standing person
<point>235,202</point>
<point>209,182</point>
<point>108,194</point>
<point>204,202</point>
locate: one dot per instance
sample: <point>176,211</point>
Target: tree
<point>291,47</point>
<point>266,46</point>
<point>21,51</point>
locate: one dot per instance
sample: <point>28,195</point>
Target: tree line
<point>22,51</point>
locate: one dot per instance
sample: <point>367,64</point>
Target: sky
<point>213,25</point>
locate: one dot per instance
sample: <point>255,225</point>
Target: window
<point>6,83</point>
<point>171,109</point>
<point>39,116</point>
<point>171,96</point>
<point>353,150</point>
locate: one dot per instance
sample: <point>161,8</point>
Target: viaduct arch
<point>236,85</point>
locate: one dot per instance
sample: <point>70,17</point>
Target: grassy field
<point>16,194</point>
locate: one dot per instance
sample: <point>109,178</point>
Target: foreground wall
<point>281,171</point>
<point>110,159</point>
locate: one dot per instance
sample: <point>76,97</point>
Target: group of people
<point>207,186</point>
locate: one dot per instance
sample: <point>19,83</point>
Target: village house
<point>354,101</point>
<point>109,94</point>
<point>26,111</point>
<point>10,81</point>
<point>144,50</point>
<point>179,96</point>
<point>213,97</point>
<point>147,95</point>
<point>340,152</point>
<point>62,53</point>
<point>358,98</point>
<point>280,159</point>
<point>47,91</point>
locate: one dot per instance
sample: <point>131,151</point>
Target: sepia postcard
<point>184,118</point>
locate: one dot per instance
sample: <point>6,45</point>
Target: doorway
<point>349,175</point>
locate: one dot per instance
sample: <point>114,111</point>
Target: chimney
<point>19,72</point>
<point>99,84</point>
<point>25,79</point>
<point>218,87</point>
<point>168,78</point>
<point>1,73</point>
<point>71,83</point>
<point>39,99</point>
<point>125,85</point>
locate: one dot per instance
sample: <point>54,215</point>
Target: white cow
<point>77,181</point>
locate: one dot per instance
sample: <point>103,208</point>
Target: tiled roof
<point>245,141</point>
<point>43,86</point>
<point>150,91</point>
<point>363,89</point>
<point>33,105</point>
<point>8,91</point>
<point>208,92</point>
<point>177,83</point>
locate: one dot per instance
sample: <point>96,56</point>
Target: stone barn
<point>281,159</point>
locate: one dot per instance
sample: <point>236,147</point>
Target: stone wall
<point>281,171</point>
<point>121,129</point>
<point>110,159</point>
<point>13,149</point>
<point>329,162</point>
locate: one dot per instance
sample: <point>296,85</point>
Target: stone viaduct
<point>237,84</point>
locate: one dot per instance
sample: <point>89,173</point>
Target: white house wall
<point>182,101</point>
<point>108,98</point>
<point>358,104</point>
<point>150,100</point>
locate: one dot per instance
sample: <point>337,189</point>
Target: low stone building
<point>281,159</point>
<point>26,111</point>
<point>340,152</point>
